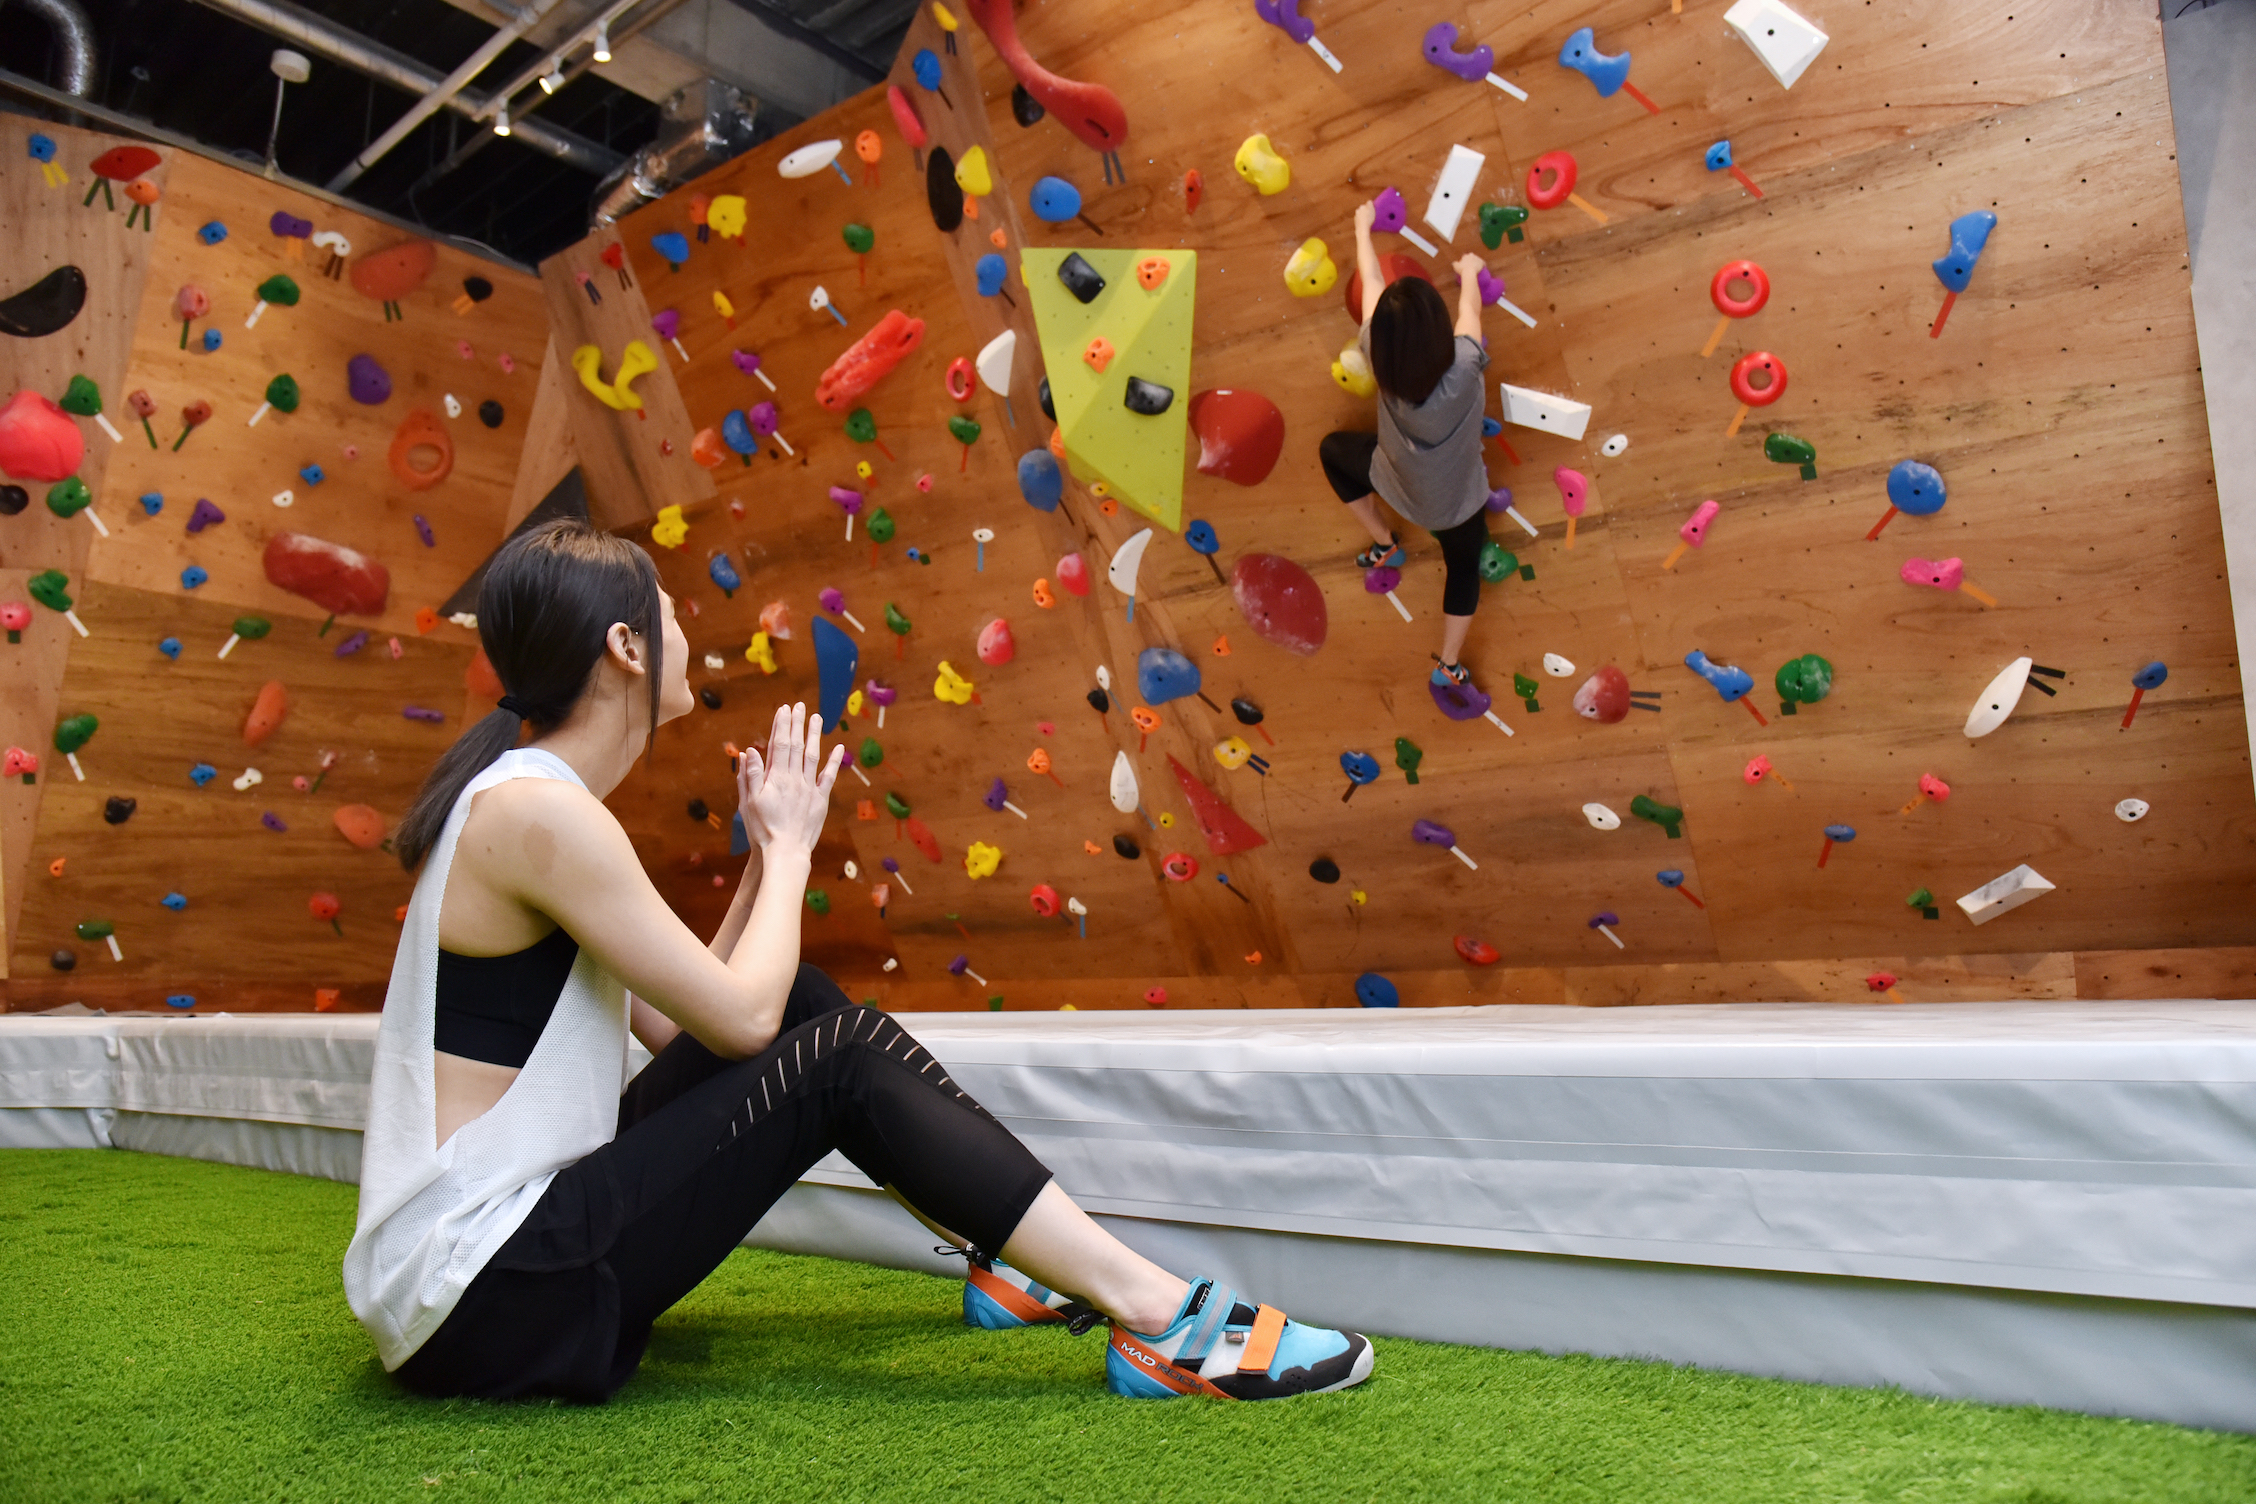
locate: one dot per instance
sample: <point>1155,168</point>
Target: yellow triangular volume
<point>1146,318</point>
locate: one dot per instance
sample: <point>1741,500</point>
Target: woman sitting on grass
<point>523,1220</point>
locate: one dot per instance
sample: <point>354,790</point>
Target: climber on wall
<point>1425,459</point>
<point>523,1221</point>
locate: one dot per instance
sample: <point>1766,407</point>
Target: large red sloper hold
<point>1090,113</point>
<point>869,360</point>
<point>1240,435</point>
<point>332,576</point>
<point>38,441</point>
<point>1281,601</point>
<point>1225,830</point>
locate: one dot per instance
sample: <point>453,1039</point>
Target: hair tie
<point>516,707</point>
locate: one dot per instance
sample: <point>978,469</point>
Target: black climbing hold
<point>63,960</point>
<point>1147,397</point>
<point>709,697</point>
<point>1126,846</point>
<point>1025,108</point>
<point>698,811</point>
<point>1324,870</point>
<point>13,499</point>
<point>1248,713</point>
<point>489,413</point>
<point>118,809</point>
<point>478,288</point>
<point>1099,701</point>
<point>1080,278</point>
<point>46,306</point>
<point>941,192</point>
<point>1042,396</point>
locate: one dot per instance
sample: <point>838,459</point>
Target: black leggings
<point>1346,458</point>
<point>705,1147</point>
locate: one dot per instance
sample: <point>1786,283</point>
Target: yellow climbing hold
<point>1311,272</point>
<point>761,653</point>
<point>982,860</point>
<point>670,528</point>
<point>587,360</point>
<point>972,175</point>
<point>636,361</point>
<point>1353,373</point>
<point>945,16</point>
<point>951,686</point>
<point>725,215</point>
<point>1259,163</point>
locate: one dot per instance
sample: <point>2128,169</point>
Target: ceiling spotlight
<point>553,79</point>
<point>501,121</point>
<point>603,41</point>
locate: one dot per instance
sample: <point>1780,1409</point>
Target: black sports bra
<point>493,1008</point>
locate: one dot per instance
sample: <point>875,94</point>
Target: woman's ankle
<point>1152,1310</point>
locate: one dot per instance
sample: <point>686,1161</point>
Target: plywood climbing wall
<point>2061,403</point>
<point>244,864</point>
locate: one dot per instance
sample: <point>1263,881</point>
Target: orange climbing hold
<point>360,824</point>
<point>267,711</point>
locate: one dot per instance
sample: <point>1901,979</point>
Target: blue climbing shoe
<point>1224,1347</point>
<point>998,1298</point>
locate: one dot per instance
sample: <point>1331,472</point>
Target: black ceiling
<point>201,74</point>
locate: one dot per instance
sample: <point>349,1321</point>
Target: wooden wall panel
<point>50,225</point>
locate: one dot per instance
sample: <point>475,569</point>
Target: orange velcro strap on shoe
<point>1009,1296</point>
<point>1181,1380</point>
<point>1261,1342</point>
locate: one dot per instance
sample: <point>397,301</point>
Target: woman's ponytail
<point>549,599</point>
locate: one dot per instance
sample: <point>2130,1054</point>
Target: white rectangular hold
<point>1553,414</point>
<point>1454,191</point>
<point>1785,42</point>
<point>2002,895</point>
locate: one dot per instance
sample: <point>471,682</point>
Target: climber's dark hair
<point>549,598</point>
<point>1412,339</point>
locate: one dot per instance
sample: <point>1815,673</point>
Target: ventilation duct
<point>74,43</point>
<point>701,125</point>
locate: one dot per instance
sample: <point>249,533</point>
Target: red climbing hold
<point>1281,601</point>
<point>1225,830</point>
<point>38,441</point>
<point>1240,435</point>
<point>330,575</point>
<point>1395,266</point>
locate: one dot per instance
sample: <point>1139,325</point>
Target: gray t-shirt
<point>1428,465</point>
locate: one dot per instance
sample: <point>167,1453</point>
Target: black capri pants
<point>705,1147</point>
<point>1346,458</point>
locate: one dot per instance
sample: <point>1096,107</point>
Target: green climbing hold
<point>965,430</point>
<point>94,929</point>
<point>47,588</point>
<point>1407,756</point>
<point>895,622</point>
<point>861,426</point>
<point>251,628</point>
<point>68,498</point>
<point>871,754</point>
<point>818,900</point>
<point>1497,563</point>
<point>1500,220</point>
<point>859,239</point>
<point>896,806</point>
<point>280,290</point>
<point>282,391</point>
<point>1526,689</point>
<point>75,732</point>
<point>1667,816</point>
<point>1921,898</point>
<point>1785,449</point>
<point>82,397</point>
<point>881,526</point>
<point>1803,681</point>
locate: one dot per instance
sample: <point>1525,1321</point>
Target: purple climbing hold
<point>204,516</point>
<point>367,381</point>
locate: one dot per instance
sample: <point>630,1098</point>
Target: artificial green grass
<point>176,1330</point>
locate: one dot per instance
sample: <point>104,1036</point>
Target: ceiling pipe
<point>74,40</point>
<point>528,16</point>
<point>600,25</point>
<point>326,39</point>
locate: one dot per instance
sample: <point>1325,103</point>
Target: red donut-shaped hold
<point>959,378</point>
<point>1179,867</point>
<point>1561,166</point>
<point>1748,366</point>
<point>1719,291</point>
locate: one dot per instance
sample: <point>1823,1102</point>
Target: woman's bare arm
<point>1367,259</point>
<point>1468,297</point>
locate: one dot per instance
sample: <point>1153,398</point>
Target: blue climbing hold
<point>1200,535</point>
<point>174,901</point>
<point>672,245</point>
<point>152,502</point>
<point>724,575</point>
<point>1039,480</point>
<point>170,647</point>
<point>991,269</point>
<point>1375,991</point>
<point>1719,156</point>
<point>1840,832</point>
<point>1490,428</point>
<point>1055,200</point>
<point>212,233</point>
<point>926,67</point>
<point>1731,683</point>
<point>1968,234</point>
<point>1916,489</point>
<point>1360,767</point>
<point>313,475</point>
<point>42,147</point>
<point>1162,674</point>
<point>193,576</point>
<point>835,661</point>
<point>1670,877</point>
<point>180,1000</point>
<point>202,773</point>
<point>211,340</point>
<point>1606,74</point>
<point>2151,676</point>
<point>736,432</point>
